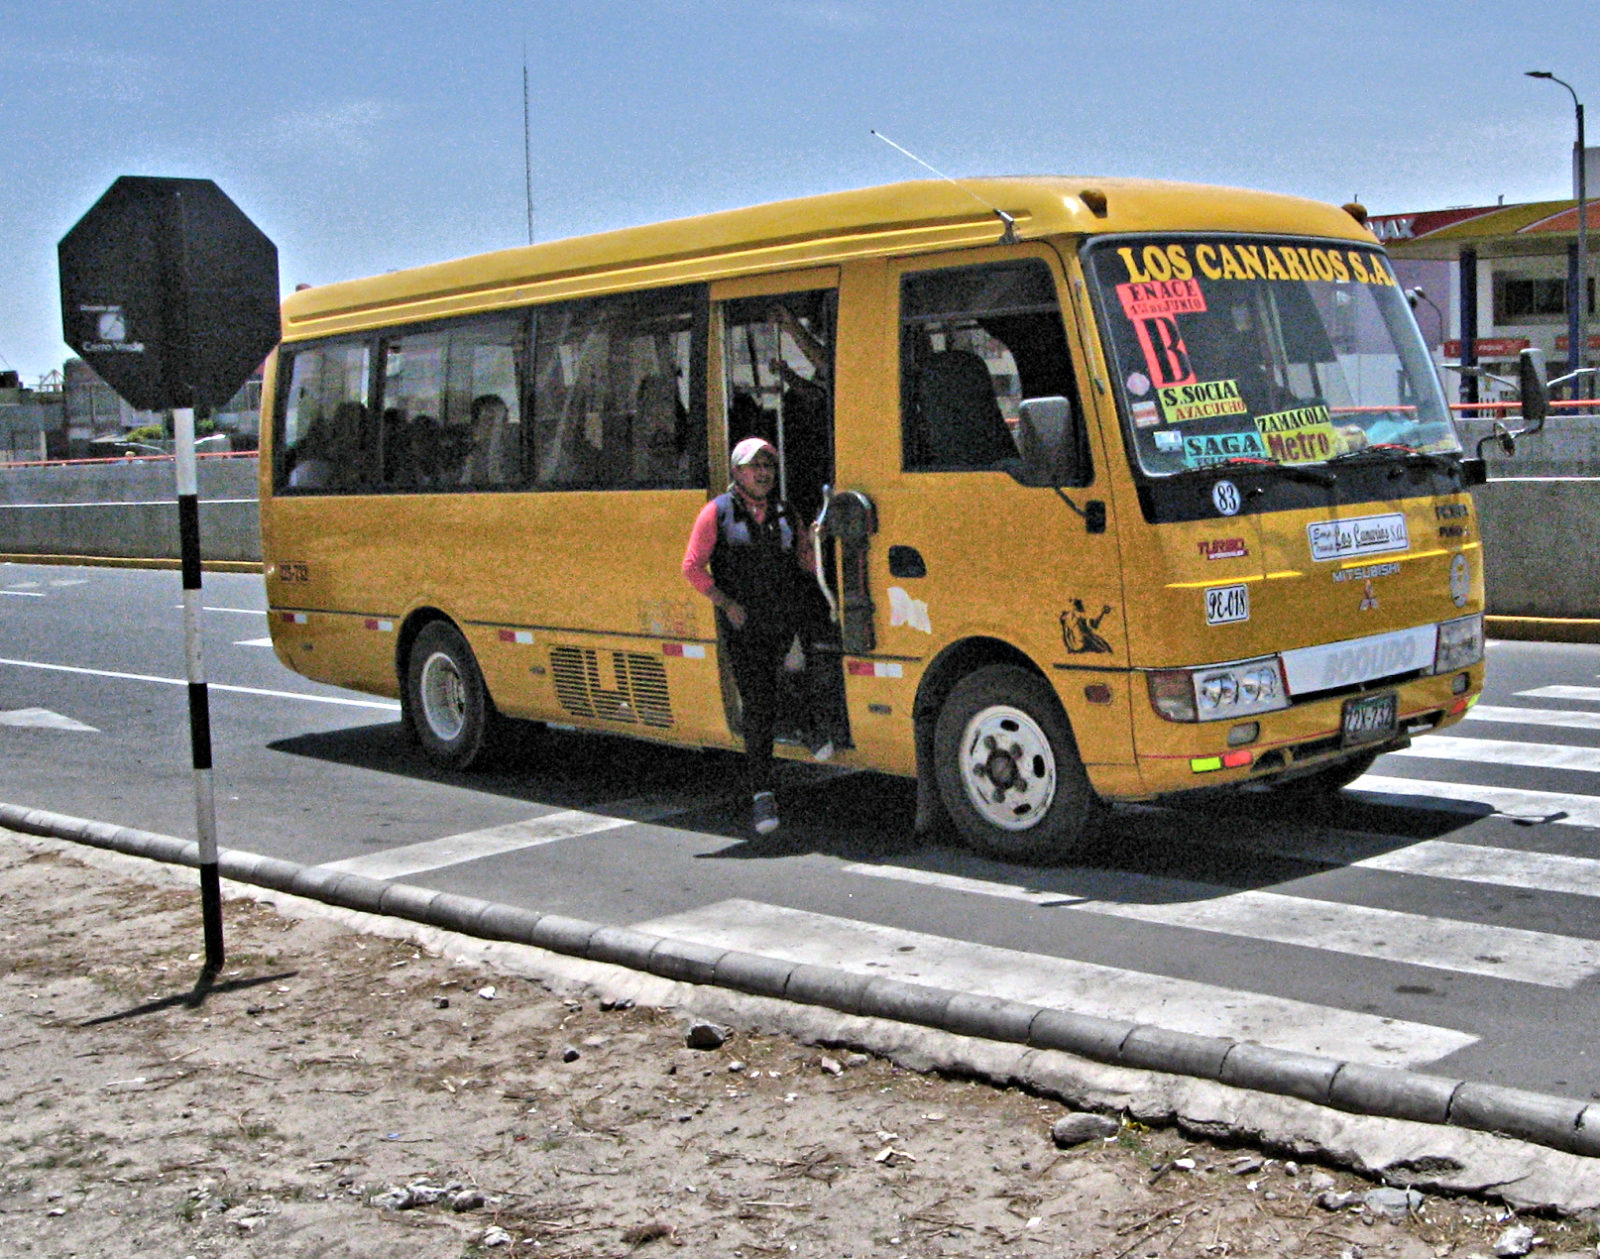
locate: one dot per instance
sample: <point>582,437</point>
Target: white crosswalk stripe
<point>1589,693</point>
<point>435,854</point>
<point>1446,747</point>
<point>1319,917</point>
<point>1526,806</point>
<point>1530,957</point>
<point>1558,717</point>
<point>864,948</point>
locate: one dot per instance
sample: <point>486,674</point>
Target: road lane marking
<point>42,719</point>
<point>451,850</point>
<point>1591,693</point>
<point>1111,992</point>
<point>241,611</point>
<point>1521,806</point>
<point>1511,953</point>
<point>385,705</point>
<point>24,594</point>
<point>1496,867</point>
<point>1562,717</point>
<point>254,642</point>
<point>1444,747</point>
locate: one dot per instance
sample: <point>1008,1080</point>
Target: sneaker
<point>764,812</point>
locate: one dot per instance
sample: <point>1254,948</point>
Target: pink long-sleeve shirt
<point>703,540</point>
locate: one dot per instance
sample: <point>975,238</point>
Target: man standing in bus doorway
<point>746,555</point>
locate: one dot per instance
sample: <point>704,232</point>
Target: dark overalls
<point>754,565</point>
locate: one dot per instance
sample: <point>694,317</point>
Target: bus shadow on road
<point>1199,849</point>
<point>842,813</point>
<point>1191,848</point>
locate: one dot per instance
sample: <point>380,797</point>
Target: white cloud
<point>350,129</point>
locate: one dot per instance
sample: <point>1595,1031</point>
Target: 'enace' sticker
<point>1151,299</point>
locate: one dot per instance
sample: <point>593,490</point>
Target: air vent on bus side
<point>640,696</point>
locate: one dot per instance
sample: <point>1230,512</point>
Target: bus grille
<point>640,696</point>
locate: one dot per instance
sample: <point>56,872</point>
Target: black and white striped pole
<point>170,293</point>
<point>205,808</point>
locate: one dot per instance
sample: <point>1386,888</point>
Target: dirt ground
<point>345,1095</point>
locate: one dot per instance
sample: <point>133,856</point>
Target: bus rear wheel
<point>446,701</point>
<point>1008,767</point>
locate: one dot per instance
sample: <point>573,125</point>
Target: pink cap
<point>746,451</point>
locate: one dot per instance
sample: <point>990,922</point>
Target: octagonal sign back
<point>169,292</point>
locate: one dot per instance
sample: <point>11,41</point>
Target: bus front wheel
<point>1008,768</point>
<point>446,701</point>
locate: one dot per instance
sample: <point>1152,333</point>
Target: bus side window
<point>975,342</point>
<point>324,416</point>
<point>778,369</point>
<point>612,404</point>
<point>483,401</point>
<point>418,452</point>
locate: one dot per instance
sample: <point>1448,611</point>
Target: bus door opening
<point>778,385</point>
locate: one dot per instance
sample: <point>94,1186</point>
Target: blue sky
<point>364,137</point>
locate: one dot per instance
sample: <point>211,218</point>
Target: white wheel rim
<point>444,696</point>
<point>1008,768</point>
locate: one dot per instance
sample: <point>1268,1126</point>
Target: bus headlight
<point>1460,644</point>
<point>1218,692</point>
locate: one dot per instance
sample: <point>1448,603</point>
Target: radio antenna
<point>1008,237</point>
<point>527,147</point>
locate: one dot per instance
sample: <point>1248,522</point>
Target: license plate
<point>1369,719</point>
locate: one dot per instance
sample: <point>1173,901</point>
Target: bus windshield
<point>1232,349</point>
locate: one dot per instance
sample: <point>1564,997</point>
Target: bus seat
<point>655,431</point>
<point>961,420</point>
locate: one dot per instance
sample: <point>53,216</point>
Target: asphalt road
<point>1439,916</point>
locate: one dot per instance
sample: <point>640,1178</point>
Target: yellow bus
<point>1129,489</point>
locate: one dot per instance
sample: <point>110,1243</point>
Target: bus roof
<point>822,230</point>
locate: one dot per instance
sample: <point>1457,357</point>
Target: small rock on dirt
<point>1392,1204</point>
<point>705,1035</point>
<point>1516,1240</point>
<point>1079,1128</point>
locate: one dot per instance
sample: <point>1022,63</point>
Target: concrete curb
<point>1563,1124</point>
<point>1543,629</point>
<point>123,561</point>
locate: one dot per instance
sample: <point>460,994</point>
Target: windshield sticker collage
<point>1169,398</point>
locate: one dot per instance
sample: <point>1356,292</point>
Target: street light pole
<point>1577,316</point>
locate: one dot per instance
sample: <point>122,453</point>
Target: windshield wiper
<point>1381,451</point>
<point>1290,471</point>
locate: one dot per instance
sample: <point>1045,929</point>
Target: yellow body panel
<point>576,610</point>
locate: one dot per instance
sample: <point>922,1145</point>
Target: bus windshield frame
<point>1233,349</point>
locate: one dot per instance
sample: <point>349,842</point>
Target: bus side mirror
<point>1046,441</point>
<point>1533,387</point>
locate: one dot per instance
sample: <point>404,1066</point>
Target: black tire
<point>446,703</point>
<point>1327,783</point>
<point>1008,768</point>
